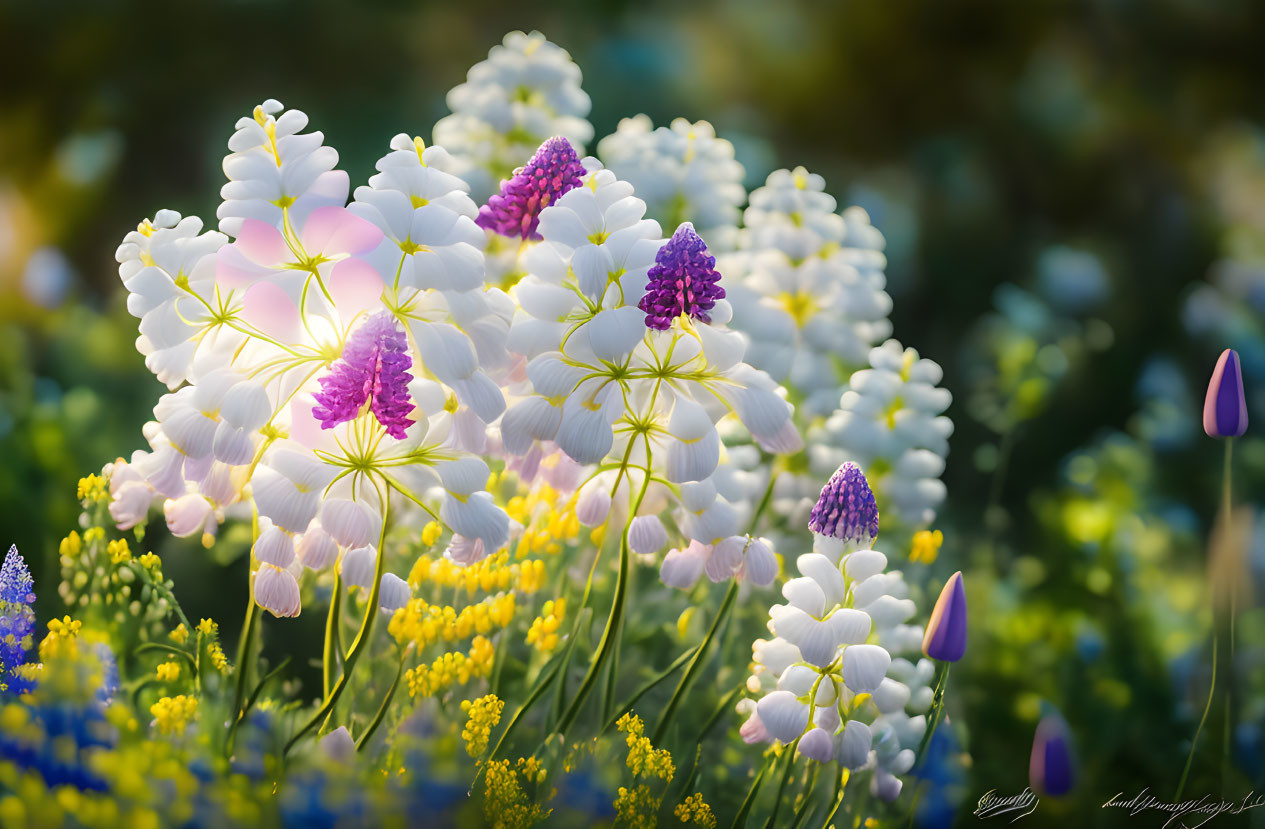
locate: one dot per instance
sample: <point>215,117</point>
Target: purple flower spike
<point>1225,407</point>
<point>17,621</point>
<point>373,369</point>
<point>945,639</point>
<point>554,170</point>
<point>1050,770</point>
<point>682,281</point>
<point>846,509</point>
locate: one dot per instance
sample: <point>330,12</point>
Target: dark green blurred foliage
<point>978,134</point>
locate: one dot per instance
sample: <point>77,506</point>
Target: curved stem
<point>1232,589</point>
<point>332,647</point>
<point>937,713</point>
<point>781,789</point>
<point>358,644</point>
<point>1212,687</point>
<point>696,664</point>
<point>382,709</point>
<point>247,639</point>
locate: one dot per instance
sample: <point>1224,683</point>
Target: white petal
<point>528,420</point>
<point>274,546</point>
<point>551,377</point>
<point>726,558</point>
<point>851,627</point>
<point>775,654</point>
<point>394,593</point>
<point>827,575</point>
<point>584,434</point>
<point>646,534</point>
<point>615,332</point>
<point>853,746</point>
<point>232,445</point>
<point>186,515</point>
<point>862,564</point>
<point>806,594</point>
<point>477,516</point>
<point>783,715</point>
<point>864,667</point>
<point>593,505</point>
<point>346,522</point>
<point>891,696</point>
<point>817,745</point>
<point>464,476</point>
<point>246,406</point>
<point>277,591</point>
<point>358,566</point>
<point>681,568</point>
<point>760,565</point>
<point>815,639</point>
<point>316,549</point>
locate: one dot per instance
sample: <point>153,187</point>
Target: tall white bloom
<point>683,172</point>
<point>527,90</point>
<point>890,422</point>
<point>809,291</point>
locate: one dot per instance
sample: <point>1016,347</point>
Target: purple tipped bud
<point>1225,407</point>
<point>374,370</point>
<point>683,280</point>
<point>945,639</point>
<point>846,509</point>
<point>17,620</point>
<point>554,170</point>
<point>1050,770</point>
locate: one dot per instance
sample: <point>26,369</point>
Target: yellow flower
<point>505,803</point>
<point>451,669</point>
<point>218,659</point>
<point>118,551</point>
<point>60,640</point>
<point>93,488</point>
<point>483,714</point>
<point>180,635</point>
<point>152,563</point>
<point>71,545</point>
<point>543,632</point>
<point>926,546</point>
<point>693,809</point>
<point>173,714</point>
<point>169,671</point>
<point>637,808</point>
<point>431,533</point>
<point>206,627</point>
<point>643,758</point>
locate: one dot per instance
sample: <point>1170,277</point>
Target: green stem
<point>781,789</point>
<point>1232,588</point>
<point>331,651</point>
<point>810,785</point>
<point>696,663</point>
<point>749,800</point>
<point>1212,687</point>
<point>838,798</point>
<point>628,704</point>
<point>358,644</point>
<point>254,695</point>
<point>159,646</point>
<point>382,709</point>
<point>937,713</point>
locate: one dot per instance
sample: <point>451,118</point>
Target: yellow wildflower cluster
<point>423,623</point>
<point>169,672</point>
<point>118,551</point>
<point>693,809</point>
<point>207,627</point>
<point>180,635</point>
<point>637,808</point>
<point>482,714</point>
<point>93,534</point>
<point>93,488</point>
<point>546,526</point>
<point>61,639</point>
<point>543,632</point>
<point>431,533</point>
<point>505,803</point>
<point>451,668</point>
<point>643,758</point>
<point>152,563</point>
<point>71,545</point>
<point>173,714</point>
<point>216,654</point>
<point>492,573</point>
<point>926,546</point>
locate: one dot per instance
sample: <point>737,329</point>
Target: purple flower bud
<point>373,369</point>
<point>1050,769</point>
<point>1225,407</point>
<point>846,509</point>
<point>554,170</point>
<point>945,639</point>
<point>683,280</point>
<point>17,620</point>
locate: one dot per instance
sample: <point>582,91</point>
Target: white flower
<point>394,593</point>
<point>316,549</point>
<point>804,295</point>
<point>358,565</point>
<point>274,546</point>
<point>890,422</point>
<point>527,90</point>
<point>683,173</point>
<point>277,591</point>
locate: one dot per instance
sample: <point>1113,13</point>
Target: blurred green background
<point>1073,195</point>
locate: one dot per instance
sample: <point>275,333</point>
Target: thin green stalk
<point>810,785</point>
<point>332,634</point>
<point>382,709</point>
<point>937,713</point>
<point>247,639</point>
<point>650,684</point>
<point>1212,687</point>
<point>259,687</point>
<point>781,789</point>
<point>357,645</point>
<point>1233,591</point>
<point>696,664</point>
<point>838,798</point>
<point>749,801</point>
